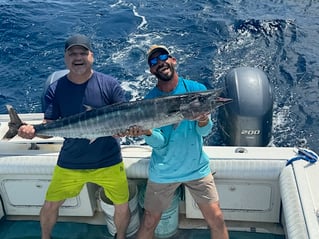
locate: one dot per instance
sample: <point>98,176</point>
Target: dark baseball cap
<point>78,40</point>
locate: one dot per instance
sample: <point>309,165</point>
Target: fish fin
<point>44,136</point>
<point>14,123</point>
<point>88,108</point>
<point>92,141</point>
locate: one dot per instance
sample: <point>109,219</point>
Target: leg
<point>214,217</point>
<point>121,219</point>
<point>148,225</point>
<point>157,199</point>
<point>206,196</point>
<point>114,182</point>
<point>65,183</point>
<point>48,217</point>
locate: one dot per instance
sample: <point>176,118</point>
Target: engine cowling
<point>51,78</point>
<point>247,120</point>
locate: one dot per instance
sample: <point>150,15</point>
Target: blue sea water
<point>208,37</point>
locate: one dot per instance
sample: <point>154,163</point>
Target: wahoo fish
<point>115,119</point>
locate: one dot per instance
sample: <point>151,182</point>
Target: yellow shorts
<point>67,183</point>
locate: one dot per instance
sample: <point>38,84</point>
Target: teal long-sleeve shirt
<point>177,154</point>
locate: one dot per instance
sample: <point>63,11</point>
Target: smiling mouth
<point>163,69</point>
<point>78,64</point>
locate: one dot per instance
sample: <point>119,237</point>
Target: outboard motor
<point>247,120</point>
<point>53,77</point>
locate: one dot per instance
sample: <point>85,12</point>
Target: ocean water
<point>208,37</point>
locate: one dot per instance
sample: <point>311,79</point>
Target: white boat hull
<point>253,183</point>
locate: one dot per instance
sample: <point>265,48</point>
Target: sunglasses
<point>154,61</point>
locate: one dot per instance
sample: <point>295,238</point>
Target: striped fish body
<point>148,113</point>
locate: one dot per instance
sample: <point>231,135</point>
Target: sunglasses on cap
<point>162,57</point>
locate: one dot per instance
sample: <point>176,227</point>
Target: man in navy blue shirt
<point>83,160</point>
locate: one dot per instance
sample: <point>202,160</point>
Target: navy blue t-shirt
<point>64,98</point>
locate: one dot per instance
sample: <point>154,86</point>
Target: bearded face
<point>164,70</point>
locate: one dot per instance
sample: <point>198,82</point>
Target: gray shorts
<point>158,196</point>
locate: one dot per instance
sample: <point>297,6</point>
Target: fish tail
<point>14,123</point>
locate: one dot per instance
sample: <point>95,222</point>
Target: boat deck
<point>30,229</point>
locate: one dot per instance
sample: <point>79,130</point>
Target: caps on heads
<point>156,48</point>
<point>78,40</point>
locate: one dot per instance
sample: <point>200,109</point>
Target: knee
<point>150,220</point>
<point>216,221</point>
<point>51,206</point>
<point>219,219</point>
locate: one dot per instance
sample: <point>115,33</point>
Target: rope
<point>304,154</point>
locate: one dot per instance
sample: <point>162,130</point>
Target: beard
<point>165,77</point>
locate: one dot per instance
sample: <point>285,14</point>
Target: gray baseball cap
<point>78,40</point>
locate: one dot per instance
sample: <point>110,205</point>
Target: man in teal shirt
<point>173,143</point>
<point>177,156</point>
